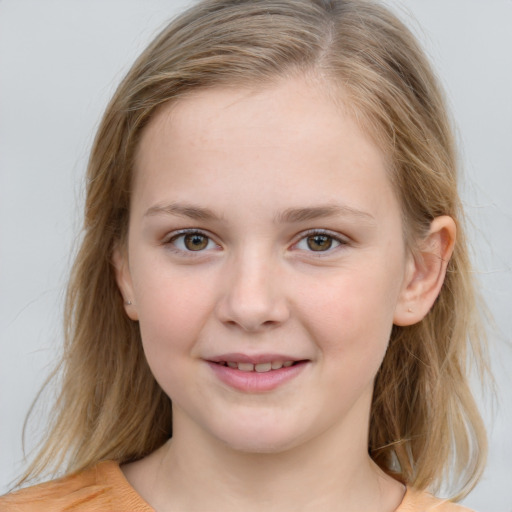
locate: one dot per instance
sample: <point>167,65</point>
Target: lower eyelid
<point>170,239</point>
<point>337,241</point>
<point>335,244</point>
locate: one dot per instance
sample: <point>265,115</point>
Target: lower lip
<point>254,382</point>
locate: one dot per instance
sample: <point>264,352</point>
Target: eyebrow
<point>183,210</point>
<point>316,212</point>
<point>288,216</point>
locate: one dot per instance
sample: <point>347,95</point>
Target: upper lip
<point>254,358</point>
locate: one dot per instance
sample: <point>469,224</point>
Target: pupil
<point>195,242</point>
<point>319,242</point>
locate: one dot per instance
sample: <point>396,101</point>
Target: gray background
<point>60,61</point>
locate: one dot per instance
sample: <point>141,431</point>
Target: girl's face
<point>264,232</point>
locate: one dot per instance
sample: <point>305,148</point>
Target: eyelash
<point>171,241</point>
<point>337,239</point>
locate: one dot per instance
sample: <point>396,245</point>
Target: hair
<point>424,426</point>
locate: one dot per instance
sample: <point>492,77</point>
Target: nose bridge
<point>254,297</point>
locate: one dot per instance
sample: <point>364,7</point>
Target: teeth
<point>260,367</point>
<point>263,367</point>
<point>246,367</point>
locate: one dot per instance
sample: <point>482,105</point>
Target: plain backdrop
<point>60,61</point>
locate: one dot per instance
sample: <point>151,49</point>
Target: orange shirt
<point>104,488</point>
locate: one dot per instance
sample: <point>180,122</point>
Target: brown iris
<point>319,242</point>
<point>195,242</point>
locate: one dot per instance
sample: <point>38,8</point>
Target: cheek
<point>172,309</point>
<point>352,320</point>
<point>166,314</point>
<point>169,298</point>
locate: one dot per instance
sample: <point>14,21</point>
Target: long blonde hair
<point>424,423</point>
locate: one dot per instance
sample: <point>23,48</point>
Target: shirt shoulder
<point>101,488</point>
<point>421,501</point>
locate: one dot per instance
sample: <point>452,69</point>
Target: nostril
<point>251,308</point>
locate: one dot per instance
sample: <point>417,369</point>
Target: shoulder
<point>100,488</point>
<point>421,501</point>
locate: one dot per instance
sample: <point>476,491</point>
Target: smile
<point>256,374</point>
<point>260,367</point>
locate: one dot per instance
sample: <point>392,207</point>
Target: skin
<point>250,157</point>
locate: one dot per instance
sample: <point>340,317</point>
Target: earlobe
<point>124,282</point>
<point>425,273</point>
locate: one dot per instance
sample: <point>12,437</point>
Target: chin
<point>261,439</point>
<point>260,446</point>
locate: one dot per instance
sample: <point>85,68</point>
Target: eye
<point>193,241</point>
<point>319,241</point>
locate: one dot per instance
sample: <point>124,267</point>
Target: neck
<point>191,472</point>
<point>296,479</point>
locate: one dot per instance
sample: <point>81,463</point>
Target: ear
<point>124,281</point>
<point>425,273</point>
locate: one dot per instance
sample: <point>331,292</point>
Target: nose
<point>253,295</point>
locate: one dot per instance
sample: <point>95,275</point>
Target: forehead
<point>291,135</point>
<point>310,103</point>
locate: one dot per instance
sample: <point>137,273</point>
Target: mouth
<point>256,373</point>
<point>259,367</point>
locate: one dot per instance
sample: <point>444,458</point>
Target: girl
<point>272,305</point>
